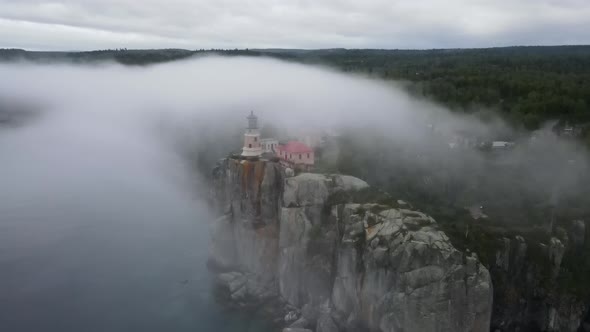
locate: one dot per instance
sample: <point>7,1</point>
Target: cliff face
<point>301,249</point>
<point>533,290</point>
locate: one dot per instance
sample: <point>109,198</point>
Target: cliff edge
<point>313,252</point>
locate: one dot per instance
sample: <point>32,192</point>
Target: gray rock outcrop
<point>402,274</point>
<point>578,233</point>
<point>326,263</point>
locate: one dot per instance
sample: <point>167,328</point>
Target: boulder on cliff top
<point>314,189</point>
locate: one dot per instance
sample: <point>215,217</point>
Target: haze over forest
<point>198,105</point>
<point>528,86</point>
<point>114,116</point>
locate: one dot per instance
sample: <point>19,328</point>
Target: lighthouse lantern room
<point>252,147</point>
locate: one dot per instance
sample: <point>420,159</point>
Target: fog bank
<point>102,225</point>
<point>198,107</point>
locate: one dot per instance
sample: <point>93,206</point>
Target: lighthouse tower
<point>252,147</point>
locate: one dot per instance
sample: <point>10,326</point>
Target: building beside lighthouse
<point>293,154</point>
<point>297,155</point>
<point>252,147</point>
<point>269,145</point>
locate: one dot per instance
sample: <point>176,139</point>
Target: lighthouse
<point>252,147</point>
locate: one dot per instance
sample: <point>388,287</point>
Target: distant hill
<point>124,56</point>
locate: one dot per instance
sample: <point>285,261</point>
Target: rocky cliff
<point>312,253</point>
<point>539,283</point>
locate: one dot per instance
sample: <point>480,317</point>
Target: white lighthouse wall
<point>252,145</point>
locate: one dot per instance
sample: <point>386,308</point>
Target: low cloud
<point>198,107</point>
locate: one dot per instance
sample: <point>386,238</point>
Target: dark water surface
<point>99,231</point>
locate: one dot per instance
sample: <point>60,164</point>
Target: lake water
<point>100,231</point>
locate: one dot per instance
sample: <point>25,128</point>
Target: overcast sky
<point>192,24</point>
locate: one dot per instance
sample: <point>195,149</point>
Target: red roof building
<point>296,153</point>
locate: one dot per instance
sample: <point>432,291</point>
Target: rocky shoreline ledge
<point>312,252</point>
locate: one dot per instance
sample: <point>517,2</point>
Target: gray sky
<point>191,24</point>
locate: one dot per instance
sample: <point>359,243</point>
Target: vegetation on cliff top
<point>447,185</point>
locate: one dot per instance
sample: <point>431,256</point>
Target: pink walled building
<point>296,154</point>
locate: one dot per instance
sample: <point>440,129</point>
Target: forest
<point>526,85</point>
